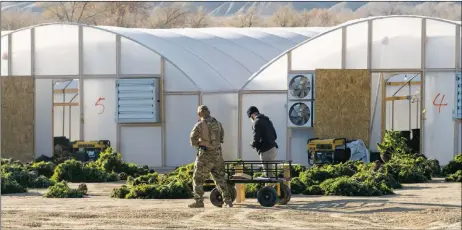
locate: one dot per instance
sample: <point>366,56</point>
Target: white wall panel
<point>324,52</point>
<point>4,56</point>
<point>273,106</point>
<point>273,77</point>
<point>376,118</point>
<point>21,53</point>
<point>99,52</point>
<point>43,117</point>
<point>175,80</point>
<point>440,45</point>
<point>224,108</point>
<point>439,126</point>
<point>401,109</point>
<point>66,123</point>
<point>99,124</point>
<point>57,50</point>
<point>390,40</point>
<point>141,145</point>
<point>136,59</point>
<point>181,115</point>
<point>298,142</point>
<point>356,46</point>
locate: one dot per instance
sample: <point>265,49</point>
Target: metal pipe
<point>410,108</point>
<point>405,83</point>
<point>70,120</point>
<point>64,100</point>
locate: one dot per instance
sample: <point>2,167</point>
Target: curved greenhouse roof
<point>382,43</point>
<point>214,59</point>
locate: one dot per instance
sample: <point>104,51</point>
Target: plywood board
<point>342,104</point>
<point>18,112</point>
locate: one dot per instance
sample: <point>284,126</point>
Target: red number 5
<point>98,104</point>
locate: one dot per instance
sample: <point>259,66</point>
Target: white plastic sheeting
<point>438,126</point>
<point>143,143</point>
<point>359,151</point>
<point>392,47</point>
<point>4,56</point>
<point>227,117</point>
<point>43,117</point>
<point>273,106</point>
<point>20,53</point>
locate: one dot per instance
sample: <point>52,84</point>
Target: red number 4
<point>98,104</point>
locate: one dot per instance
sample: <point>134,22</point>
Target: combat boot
<point>196,204</point>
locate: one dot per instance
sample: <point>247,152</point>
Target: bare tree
<point>384,9</point>
<point>303,18</point>
<point>17,20</point>
<point>285,16</point>
<point>125,14</point>
<point>245,18</point>
<point>168,17</point>
<point>77,12</point>
<point>198,19</point>
<point>320,17</point>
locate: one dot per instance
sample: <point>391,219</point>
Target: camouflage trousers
<point>209,162</point>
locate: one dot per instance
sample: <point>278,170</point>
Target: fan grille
<point>299,114</point>
<point>300,86</point>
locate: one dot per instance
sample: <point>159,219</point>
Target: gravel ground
<point>434,205</point>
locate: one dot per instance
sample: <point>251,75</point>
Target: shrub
<point>76,171</point>
<point>251,190</point>
<point>453,166</point>
<point>120,192</point>
<point>62,190</point>
<point>83,188</point>
<point>151,178</point>
<point>112,162</point>
<point>44,168</point>
<point>297,186</point>
<point>346,186</point>
<point>315,175</point>
<point>9,185</point>
<point>123,176</point>
<point>41,182</point>
<point>456,177</point>
<point>296,170</point>
<point>393,143</point>
<point>313,190</point>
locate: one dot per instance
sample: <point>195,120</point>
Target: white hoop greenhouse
<point>222,68</point>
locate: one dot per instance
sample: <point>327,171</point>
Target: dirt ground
<point>435,205</point>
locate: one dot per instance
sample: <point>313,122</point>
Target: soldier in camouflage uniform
<point>207,137</point>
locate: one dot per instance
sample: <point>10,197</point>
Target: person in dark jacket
<point>264,138</point>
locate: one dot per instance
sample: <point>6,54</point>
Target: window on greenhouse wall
<point>396,47</point>
<point>57,50</point>
<point>323,52</point>
<point>440,45</point>
<point>21,53</point>
<point>136,59</point>
<point>99,52</point>
<point>5,54</point>
<point>356,46</point>
<point>137,100</point>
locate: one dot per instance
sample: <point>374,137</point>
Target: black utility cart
<point>238,173</point>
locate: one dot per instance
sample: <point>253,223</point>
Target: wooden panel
<point>18,112</point>
<point>342,104</point>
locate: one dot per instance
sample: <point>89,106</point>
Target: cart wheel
<point>286,194</point>
<point>217,199</point>
<point>267,196</point>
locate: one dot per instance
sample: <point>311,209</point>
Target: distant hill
<point>213,8</point>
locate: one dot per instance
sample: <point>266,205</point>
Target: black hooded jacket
<point>264,135</point>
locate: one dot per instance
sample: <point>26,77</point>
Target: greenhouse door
<point>402,106</point>
<point>17,115</point>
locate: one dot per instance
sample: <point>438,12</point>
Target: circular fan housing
<point>300,86</point>
<point>299,113</point>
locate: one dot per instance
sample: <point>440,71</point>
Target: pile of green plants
<point>153,189</point>
<point>62,190</point>
<point>17,177</point>
<point>111,161</point>
<point>76,171</point>
<point>453,170</point>
<point>43,168</point>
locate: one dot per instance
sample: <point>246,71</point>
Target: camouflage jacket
<point>207,132</point>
